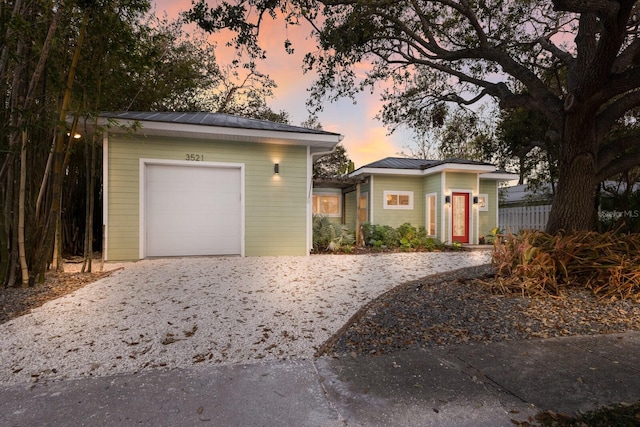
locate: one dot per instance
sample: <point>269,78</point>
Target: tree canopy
<point>573,62</point>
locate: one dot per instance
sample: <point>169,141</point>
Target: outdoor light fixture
<point>447,199</point>
<point>475,200</point>
<point>276,168</point>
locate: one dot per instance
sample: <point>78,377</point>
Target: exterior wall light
<point>447,199</point>
<point>276,168</point>
<point>475,200</point>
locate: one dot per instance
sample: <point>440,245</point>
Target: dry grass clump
<point>537,263</point>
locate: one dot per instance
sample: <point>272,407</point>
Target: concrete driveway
<point>174,313</point>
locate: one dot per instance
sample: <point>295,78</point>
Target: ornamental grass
<point>536,263</point>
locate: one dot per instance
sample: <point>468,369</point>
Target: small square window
<point>398,200</point>
<point>483,202</point>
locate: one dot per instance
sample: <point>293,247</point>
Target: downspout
<point>105,197</point>
<point>476,211</point>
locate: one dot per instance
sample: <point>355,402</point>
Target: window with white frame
<point>398,200</point>
<point>431,214</point>
<point>483,202</point>
<point>326,204</point>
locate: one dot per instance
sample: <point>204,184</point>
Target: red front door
<point>460,217</point>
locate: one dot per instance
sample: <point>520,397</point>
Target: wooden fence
<point>515,219</point>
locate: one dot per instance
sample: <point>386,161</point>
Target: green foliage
<point>493,235</point>
<point>466,135</point>
<point>521,144</point>
<point>333,165</point>
<point>330,236</point>
<point>406,238</point>
<point>380,236</point>
<point>537,263</point>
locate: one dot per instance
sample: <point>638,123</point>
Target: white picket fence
<point>515,219</point>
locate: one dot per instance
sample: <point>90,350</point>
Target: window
<point>431,214</point>
<point>362,207</point>
<point>483,202</point>
<point>398,200</point>
<point>326,204</point>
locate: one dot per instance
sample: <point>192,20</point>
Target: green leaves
<point>330,236</point>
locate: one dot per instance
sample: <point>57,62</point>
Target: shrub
<point>330,236</point>
<point>534,262</point>
<point>406,237</point>
<point>380,236</point>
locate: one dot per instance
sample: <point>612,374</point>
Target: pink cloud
<point>365,138</point>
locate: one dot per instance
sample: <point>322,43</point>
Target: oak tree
<point>465,51</point>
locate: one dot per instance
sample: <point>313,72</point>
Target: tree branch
<point>603,8</point>
<point>612,112</point>
<point>554,50</point>
<point>630,56</point>
<point>618,165</point>
<point>612,151</point>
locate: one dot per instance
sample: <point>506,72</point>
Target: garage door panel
<point>193,210</point>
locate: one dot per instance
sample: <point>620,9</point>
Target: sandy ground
<point>171,313</point>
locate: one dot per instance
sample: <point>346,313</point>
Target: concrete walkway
<point>471,385</point>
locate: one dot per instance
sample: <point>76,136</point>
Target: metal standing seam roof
<point>212,119</point>
<point>417,164</point>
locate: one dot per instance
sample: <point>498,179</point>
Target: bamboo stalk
<point>24,269</point>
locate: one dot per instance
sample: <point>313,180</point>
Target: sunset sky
<point>365,138</point>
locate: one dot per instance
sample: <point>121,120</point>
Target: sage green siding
<point>460,181</point>
<point>488,218</point>
<point>433,184</point>
<point>275,205</point>
<point>397,217</point>
<point>351,211</point>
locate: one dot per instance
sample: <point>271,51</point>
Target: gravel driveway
<point>171,313</point>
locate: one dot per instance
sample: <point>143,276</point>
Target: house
<point>455,200</point>
<point>181,184</point>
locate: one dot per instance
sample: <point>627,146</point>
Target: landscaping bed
<point>459,308</point>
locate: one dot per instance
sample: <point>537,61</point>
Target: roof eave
<point>445,167</point>
<point>460,167</point>
<point>500,176</point>
<point>386,171</point>
<point>317,142</point>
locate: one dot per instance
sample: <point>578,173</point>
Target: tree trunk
<point>574,201</point>
<point>23,183</point>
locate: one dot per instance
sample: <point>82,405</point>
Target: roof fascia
<point>500,176</point>
<point>449,167</point>
<point>386,171</point>
<point>322,141</point>
<point>456,167</point>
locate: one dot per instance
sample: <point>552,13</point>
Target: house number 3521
<point>194,157</point>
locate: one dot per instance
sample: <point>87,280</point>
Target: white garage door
<point>192,210</point>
